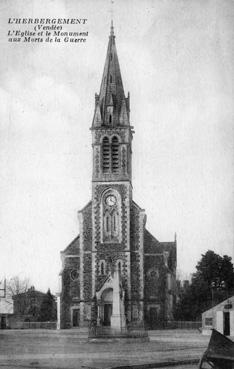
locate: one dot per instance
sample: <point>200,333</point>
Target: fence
<point>188,325</point>
<point>39,325</point>
<point>140,330</point>
<point>100,331</point>
<point>33,325</point>
<point>180,324</point>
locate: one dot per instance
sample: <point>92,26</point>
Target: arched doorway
<point>107,301</point>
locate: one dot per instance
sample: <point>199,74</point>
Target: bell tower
<point>111,130</point>
<point>115,263</point>
<point>112,175</point>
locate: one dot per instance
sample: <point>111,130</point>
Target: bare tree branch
<point>15,286</point>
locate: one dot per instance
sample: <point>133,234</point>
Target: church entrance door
<point>153,315</point>
<point>107,314</point>
<point>107,302</point>
<point>75,317</point>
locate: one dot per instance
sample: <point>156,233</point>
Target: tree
<point>211,283</point>
<point>14,287</point>
<point>48,308</point>
<point>216,270</point>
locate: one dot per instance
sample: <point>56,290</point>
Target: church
<point>115,259</point>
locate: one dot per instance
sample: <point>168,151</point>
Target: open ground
<point>70,349</point>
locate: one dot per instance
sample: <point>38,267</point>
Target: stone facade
<point>113,238</point>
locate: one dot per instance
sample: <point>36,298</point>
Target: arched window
<point>114,222</point>
<point>115,155</point>
<point>107,223</point>
<point>110,118</point>
<point>105,155</point>
<point>110,216</point>
<point>102,267</point>
<point>110,78</point>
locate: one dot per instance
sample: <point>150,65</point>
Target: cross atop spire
<point>112,16</point>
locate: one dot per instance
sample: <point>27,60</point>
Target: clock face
<point>111,200</point>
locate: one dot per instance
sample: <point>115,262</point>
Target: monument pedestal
<point>117,329</point>
<point>118,321</point>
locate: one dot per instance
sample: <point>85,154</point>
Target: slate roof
<point>30,291</point>
<point>134,204</point>
<point>111,91</point>
<point>152,245</point>
<point>86,206</point>
<point>150,240</point>
<point>220,306</point>
<point>73,248</point>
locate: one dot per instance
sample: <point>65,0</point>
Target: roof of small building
<point>221,305</point>
<point>32,291</point>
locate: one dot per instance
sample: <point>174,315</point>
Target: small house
<point>220,317</point>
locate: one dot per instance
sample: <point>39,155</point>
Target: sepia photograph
<point>116,184</point>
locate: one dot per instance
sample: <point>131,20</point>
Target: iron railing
<point>102,331</point>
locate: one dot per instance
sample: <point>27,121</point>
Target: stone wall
<point>87,227</point>
<point>70,293</point>
<point>147,265</point>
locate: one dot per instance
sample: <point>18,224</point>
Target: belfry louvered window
<point>115,155</point>
<point>105,155</point>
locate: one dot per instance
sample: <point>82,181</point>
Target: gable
<point>136,207</point>
<point>153,246</point>
<point>172,249</point>
<point>87,226</point>
<point>86,208</point>
<point>73,248</point>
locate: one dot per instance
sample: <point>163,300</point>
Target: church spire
<point>111,101</point>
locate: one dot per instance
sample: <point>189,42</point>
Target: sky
<point>176,59</point>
